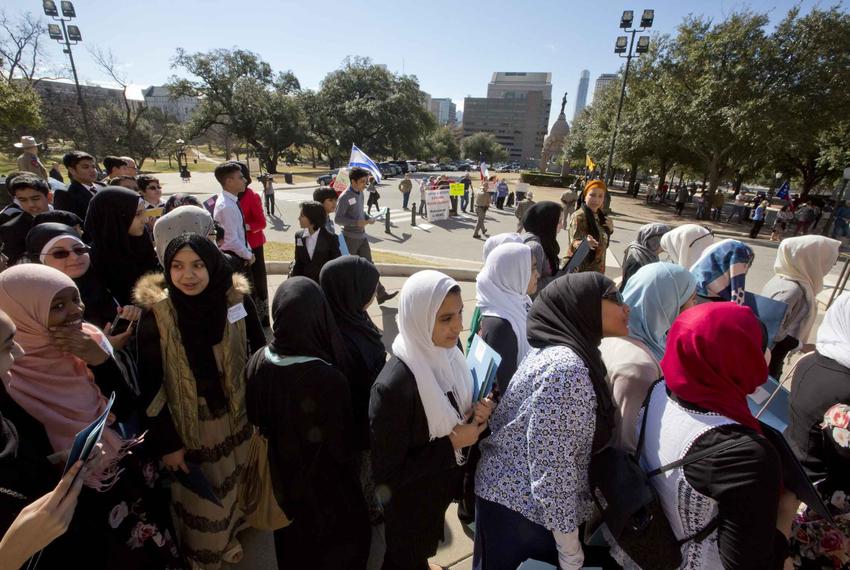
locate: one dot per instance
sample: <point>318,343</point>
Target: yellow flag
<point>588,162</point>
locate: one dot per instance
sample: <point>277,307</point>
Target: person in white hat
<point>29,161</point>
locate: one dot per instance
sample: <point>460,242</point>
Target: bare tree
<point>21,50</point>
<point>132,127</point>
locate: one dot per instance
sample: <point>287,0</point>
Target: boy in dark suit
<point>314,245</point>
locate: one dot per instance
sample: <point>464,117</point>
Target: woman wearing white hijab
<point>819,408</point>
<point>417,415</point>
<point>684,244</point>
<point>492,243</point>
<point>502,291</point>
<point>801,265</point>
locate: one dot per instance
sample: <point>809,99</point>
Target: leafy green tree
<point>442,144</point>
<point>367,105</point>
<point>483,145</point>
<point>810,94</point>
<point>242,94</point>
<point>20,111</point>
<point>716,88</point>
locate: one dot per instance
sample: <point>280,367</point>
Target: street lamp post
<point>620,48</point>
<point>67,35</point>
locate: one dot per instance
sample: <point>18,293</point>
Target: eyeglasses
<point>614,296</point>
<point>79,251</point>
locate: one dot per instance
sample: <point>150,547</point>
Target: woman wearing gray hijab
<point>643,251</point>
<point>181,220</point>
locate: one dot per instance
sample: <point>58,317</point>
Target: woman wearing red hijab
<point>729,499</point>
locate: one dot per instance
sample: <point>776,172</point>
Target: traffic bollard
<point>387,222</point>
<point>413,214</point>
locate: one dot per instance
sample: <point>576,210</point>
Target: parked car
<point>326,179</point>
<point>402,164</point>
<point>412,166</point>
<point>388,170</point>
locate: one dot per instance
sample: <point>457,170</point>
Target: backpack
<point>630,507</point>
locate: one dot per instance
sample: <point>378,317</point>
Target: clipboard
<point>582,251</point>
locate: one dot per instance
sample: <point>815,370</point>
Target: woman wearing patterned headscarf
<point>721,272</point>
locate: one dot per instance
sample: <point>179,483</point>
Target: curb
<point>391,270</point>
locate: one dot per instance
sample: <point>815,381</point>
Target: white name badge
<point>352,201</point>
<point>236,313</point>
<point>298,241</point>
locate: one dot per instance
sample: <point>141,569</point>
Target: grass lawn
<point>277,251</point>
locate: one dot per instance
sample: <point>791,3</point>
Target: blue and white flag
<point>361,160</point>
<point>784,191</point>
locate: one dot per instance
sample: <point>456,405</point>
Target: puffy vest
<point>180,390</point>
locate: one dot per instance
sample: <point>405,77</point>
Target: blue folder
<point>769,311</point>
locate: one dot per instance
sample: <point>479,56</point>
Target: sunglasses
<point>614,296</point>
<point>79,251</point>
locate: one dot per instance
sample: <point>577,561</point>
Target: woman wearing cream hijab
<point>801,264</point>
<point>684,244</point>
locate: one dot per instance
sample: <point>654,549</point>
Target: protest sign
<point>342,181</point>
<point>456,189</point>
<point>438,204</point>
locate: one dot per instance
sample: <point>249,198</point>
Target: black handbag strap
<point>693,458</point>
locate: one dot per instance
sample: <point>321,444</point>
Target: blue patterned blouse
<point>535,462</point>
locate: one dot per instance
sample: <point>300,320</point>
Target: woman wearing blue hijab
<point>721,271</point>
<point>657,293</point>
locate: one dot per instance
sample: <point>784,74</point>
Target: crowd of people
<point>794,215</point>
<point>295,418</point>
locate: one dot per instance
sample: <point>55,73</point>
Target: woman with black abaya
<point>591,223</point>
<point>194,341</point>
<point>350,283</point>
<point>422,418</point>
<point>298,397</point>
<point>542,223</point>
<point>532,480</point>
<point>122,250</point>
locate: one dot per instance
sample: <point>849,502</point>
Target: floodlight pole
<point>92,146</point>
<point>609,170</point>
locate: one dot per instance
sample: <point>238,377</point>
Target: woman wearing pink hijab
<point>56,381</point>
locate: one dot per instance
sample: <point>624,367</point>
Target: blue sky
<point>452,47</point>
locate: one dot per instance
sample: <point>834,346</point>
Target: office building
<point>603,81</point>
<point>581,95</point>
<point>516,111</point>
<point>444,110</point>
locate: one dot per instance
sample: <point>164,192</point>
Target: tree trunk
<point>633,177</point>
<point>662,173</point>
<point>713,175</point>
<point>313,155</point>
<point>739,180</point>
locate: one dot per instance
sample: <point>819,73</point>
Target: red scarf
<point>714,359</point>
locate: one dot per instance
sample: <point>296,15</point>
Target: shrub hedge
<point>550,180</point>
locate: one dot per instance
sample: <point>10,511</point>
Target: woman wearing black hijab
<point>350,283</point>
<point>122,251</point>
<point>542,222</point>
<point>300,400</point>
<point>532,481</point>
<point>43,243</point>
<point>194,341</point>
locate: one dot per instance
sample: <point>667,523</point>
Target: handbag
<point>256,494</point>
<point>629,504</point>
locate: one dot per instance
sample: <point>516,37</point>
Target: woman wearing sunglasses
<point>60,247</point>
<point>532,482</point>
